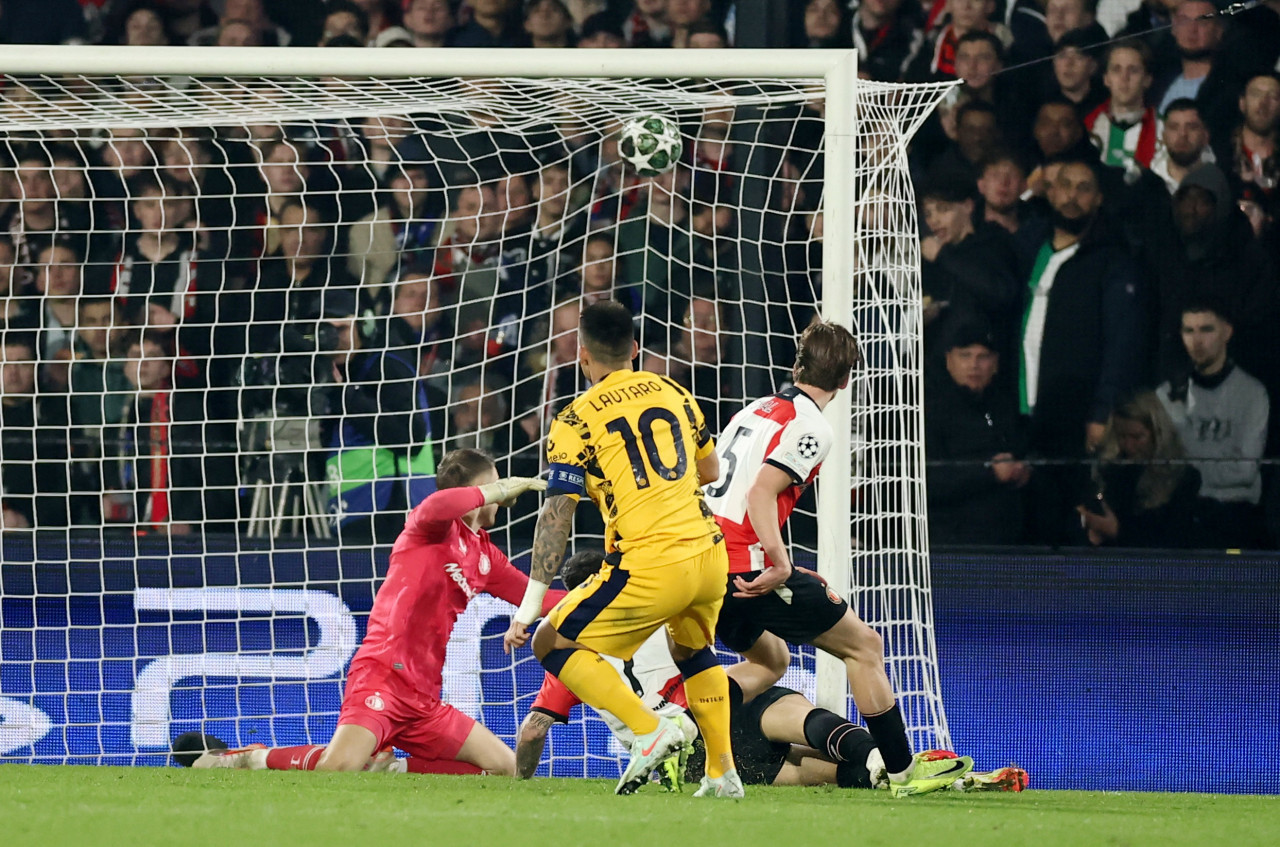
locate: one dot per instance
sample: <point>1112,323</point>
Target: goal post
<point>794,197</point>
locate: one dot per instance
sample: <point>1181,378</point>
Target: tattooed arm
<point>530,741</point>
<point>549,541</point>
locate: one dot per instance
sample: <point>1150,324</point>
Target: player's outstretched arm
<point>549,541</point>
<point>505,491</point>
<point>530,741</point>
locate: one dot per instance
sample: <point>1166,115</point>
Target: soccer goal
<point>255,294</point>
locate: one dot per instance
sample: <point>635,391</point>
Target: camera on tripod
<point>285,391</point>
<point>287,381</point>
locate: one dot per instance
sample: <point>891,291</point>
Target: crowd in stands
<point>1098,202</point>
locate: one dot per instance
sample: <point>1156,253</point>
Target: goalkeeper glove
<point>505,491</point>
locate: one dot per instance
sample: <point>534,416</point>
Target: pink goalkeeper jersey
<point>437,565</point>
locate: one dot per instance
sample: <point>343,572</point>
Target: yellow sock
<point>598,685</point>
<point>708,695</point>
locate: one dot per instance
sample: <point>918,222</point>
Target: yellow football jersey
<point>631,443</point>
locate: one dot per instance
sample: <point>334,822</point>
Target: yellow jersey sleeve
<point>566,455</point>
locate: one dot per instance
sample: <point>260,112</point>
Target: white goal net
<point>245,315</point>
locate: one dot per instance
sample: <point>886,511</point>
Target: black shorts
<point>757,758</point>
<point>808,610</point>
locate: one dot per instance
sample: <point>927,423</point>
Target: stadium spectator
<point>494,23</point>
<point>1250,153</point>
<point>284,172</point>
<point>417,323</point>
<point>547,23</point>
<point>18,309</point>
<point>700,356</point>
<point>429,22</point>
<point>550,379</point>
<point>599,270</point>
<point>33,443</point>
<point>382,15</point>
<point>400,235</point>
<point>345,19</point>
<point>936,60</point>
<point>381,460</point>
<point>654,239</point>
<point>184,18</point>
<point>59,280</point>
<point>888,38</point>
<point>1059,134</point>
<point>705,35</point>
<point>968,271</point>
<point>541,255</point>
<point>977,133</point>
<point>1075,72</point>
<point>1250,47</point>
<point>1063,16</point>
<point>1197,31</point>
<point>158,458</point>
<point>1212,251</point>
<point>1186,143</point>
<point>827,25</point>
<point>974,443</point>
<point>682,15</point>
<point>1145,490</point>
<point>37,213</point>
<point>601,30</point>
<point>1151,24</point>
<point>1221,413</point>
<point>1126,131</point>
<point>647,24</point>
<point>98,395</point>
<point>480,418</point>
<point>291,280</point>
<point>1082,337</point>
<point>158,277</point>
<point>143,25</point>
<point>1001,184</point>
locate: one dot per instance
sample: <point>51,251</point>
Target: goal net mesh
<point>244,319</point>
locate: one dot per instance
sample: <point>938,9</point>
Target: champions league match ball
<point>651,144</point>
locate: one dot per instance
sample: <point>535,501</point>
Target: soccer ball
<point>651,144</point>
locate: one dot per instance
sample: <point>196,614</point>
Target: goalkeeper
<point>778,737</point>
<point>441,560</point>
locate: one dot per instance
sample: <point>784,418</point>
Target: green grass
<point>51,806</point>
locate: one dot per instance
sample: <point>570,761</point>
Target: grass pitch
<point>53,806</point>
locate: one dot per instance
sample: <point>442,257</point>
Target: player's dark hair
<point>826,355</point>
<point>462,467</point>
<point>579,567</point>
<point>608,331</point>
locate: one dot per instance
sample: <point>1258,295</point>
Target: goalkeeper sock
<point>841,740</point>
<point>302,758</point>
<point>598,685</point>
<point>891,737</point>
<point>706,687</point>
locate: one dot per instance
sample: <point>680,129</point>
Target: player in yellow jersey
<point>636,443</point>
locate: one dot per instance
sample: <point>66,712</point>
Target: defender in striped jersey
<point>769,453</point>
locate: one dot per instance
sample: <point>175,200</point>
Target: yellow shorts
<point>615,610</point>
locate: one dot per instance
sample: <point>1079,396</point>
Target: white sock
<point>903,776</point>
<point>258,759</point>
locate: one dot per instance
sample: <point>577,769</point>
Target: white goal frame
<point>837,69</point>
